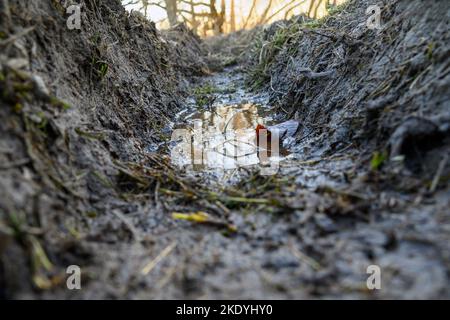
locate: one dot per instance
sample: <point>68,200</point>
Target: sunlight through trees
<point>213,17</point>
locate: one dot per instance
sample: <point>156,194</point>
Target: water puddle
<point>225,137</point>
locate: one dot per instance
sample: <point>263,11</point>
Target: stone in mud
<point>17,63</point>
<point>281,262</point>
<point>39,86</point>
<point>286,129</point>
<point>324,223</point>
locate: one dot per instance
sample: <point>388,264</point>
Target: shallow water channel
<point>226,137</point>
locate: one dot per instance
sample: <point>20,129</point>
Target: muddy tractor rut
<point>93,174</point>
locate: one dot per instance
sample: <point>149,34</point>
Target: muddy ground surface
<point>87,176</point>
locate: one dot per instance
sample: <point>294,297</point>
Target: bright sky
<point>242,8</point>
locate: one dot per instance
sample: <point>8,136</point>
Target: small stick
<point>437,177</point>
<point>152,264</point>
<point>16,36</point>
<point>18,163</point>
<point>303,257</point>
<point>129,225</point>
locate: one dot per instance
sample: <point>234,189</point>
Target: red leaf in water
<point>260,127</point>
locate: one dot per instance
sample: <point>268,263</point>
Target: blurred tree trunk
<point>172,10</point>
<point>222,17</point>
<point>316,11</point>
<point>217,19</point>
<point>250,14</point>
<point>265,13</point>
<point>213,16</point>
<point>194,22</point>
<point>293,3</point>
<point>232,17</point>
<point>311,7</point>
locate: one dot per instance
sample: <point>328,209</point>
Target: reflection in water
<point>223,138</point>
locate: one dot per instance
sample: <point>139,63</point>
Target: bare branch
<point>250,14</point>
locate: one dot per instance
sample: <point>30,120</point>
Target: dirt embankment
<point>346,82</point>
<point>382,98</point>
<point>75,105</point>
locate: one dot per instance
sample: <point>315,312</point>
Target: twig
<point>303,257</point>
<point>246,200</point>
<point>152,264</point>
<point>16,164</point>
<point>129,225</point>
<point>309,74</point>
<point>273,89</point>
<point>439,171</point>
<point>16,36</point>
